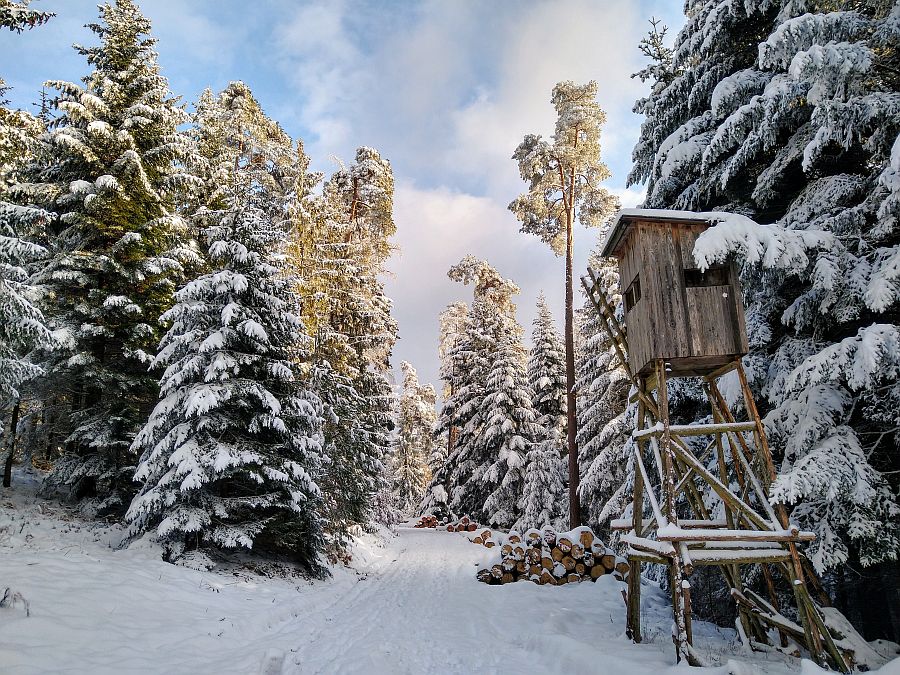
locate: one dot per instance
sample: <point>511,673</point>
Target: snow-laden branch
<point>874,352</point>
<point>771,246</point>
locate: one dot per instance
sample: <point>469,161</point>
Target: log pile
<point>427,521</point>
<point>553,558</point>
<point>486,538</point>
<point>465,524</point>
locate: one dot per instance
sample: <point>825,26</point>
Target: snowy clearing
<point>410,605</point>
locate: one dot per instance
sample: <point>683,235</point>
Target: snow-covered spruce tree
<point>510,429</point>
<point>605,451</point>
<point>21,226</point>
<point>489,348</point>
<point>22,327</point>
<point>414,441</point>
<point>564,177</point>
<point>454,355</point>
<point>239,147</point>
<point>547,372</point>
<point>789,112</point>
<point>342,245</point>
<point>544,484</point>
<point>110,172</point>
<point>232,451</point>
<point>452,322</point>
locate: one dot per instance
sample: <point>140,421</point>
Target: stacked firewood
<point>485,538</point>
<point>464,524</point>
<point>553,558</point>
<point>427,521</point>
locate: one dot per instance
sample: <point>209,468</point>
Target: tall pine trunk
<point>571,422</point>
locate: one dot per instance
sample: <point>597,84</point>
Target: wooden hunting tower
<point>701,505</point>
<point>674,311</point>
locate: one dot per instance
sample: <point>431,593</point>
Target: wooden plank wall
<point>672,321</point>
<point>639,334</point>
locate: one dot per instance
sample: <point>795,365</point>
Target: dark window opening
<point>633,294</point>
<point>713,276</point>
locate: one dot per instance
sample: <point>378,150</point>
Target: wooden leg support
<point>633,629</point>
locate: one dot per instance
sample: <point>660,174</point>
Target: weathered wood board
<point>694,320</point>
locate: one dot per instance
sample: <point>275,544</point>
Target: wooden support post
<point>810,633</point>
<point>633,628</point>
<point>686,596</point>
<point>633,619</point>
<point>733,574</point>
<point>682,645</point>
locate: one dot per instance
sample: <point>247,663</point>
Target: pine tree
<point>564,179</point>
<point>490,405</point>
<point>232,451</point>
<point>605,450</point>
<point>342,245</point>
<point>413,446</point>
<point>547,372</point>
<point>22,325</point>
<point>110,173</point>
<point>788,112</point>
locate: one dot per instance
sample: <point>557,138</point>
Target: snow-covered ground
<point>410,604</point>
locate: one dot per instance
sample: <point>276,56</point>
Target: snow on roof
<point>621,221</point>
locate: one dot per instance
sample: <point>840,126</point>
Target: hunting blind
<point>692,318</point>
<point>703,503</point>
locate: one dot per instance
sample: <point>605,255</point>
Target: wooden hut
<point>692,318</point>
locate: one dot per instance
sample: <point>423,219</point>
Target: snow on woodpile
<point>427,521</point>
<point>552,558</point>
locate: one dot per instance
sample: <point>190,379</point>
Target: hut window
<point>713,276</point>
<point>633,294</point>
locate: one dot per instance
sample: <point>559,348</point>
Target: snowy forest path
<point>410,604</point>
<point>419,609</point>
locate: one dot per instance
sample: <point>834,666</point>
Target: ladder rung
<point>711,556</point>
<point>661,548</point>
<point>678,534</point>
<point>694,429</point>
<point>686,524</point>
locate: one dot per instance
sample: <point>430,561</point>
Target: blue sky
<point>445,89</point>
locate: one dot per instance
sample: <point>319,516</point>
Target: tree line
<point>193,329</point>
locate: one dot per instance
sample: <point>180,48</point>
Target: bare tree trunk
<point>571,421</point>
<point>11,445</point>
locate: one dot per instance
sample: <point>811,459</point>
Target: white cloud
<point>187,35</point>
<point>446,91</point>
<point>534,59</point>
<point>435,228</point>
<point>630,197</point>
